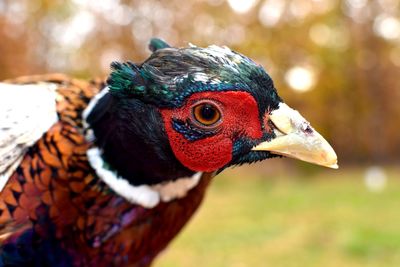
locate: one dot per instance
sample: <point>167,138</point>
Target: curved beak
<point>295,138</point>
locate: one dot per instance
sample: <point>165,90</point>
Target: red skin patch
<point>239,116</point>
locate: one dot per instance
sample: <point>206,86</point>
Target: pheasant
<point>97,173</point>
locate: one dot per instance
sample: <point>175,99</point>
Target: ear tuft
<point>156,44</point>
<point>126,80</point>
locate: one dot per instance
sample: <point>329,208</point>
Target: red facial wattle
<point>239,117</point>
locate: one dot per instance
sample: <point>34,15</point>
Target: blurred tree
<point>337,61</point>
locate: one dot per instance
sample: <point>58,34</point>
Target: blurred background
<point>338,62</point>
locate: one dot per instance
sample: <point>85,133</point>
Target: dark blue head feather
<point>126,80</point>
<point>127,121</point>
<point>170,75</point>
<point>156,44</point>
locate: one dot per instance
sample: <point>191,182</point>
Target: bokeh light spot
<point>73,32</point>
<point>271,12</point>
<point>300,8</point>
<point>242,6</point>
<point>375,179</point>
<point>320,34</point>
<point>387,27</point>
<point>300,79</point>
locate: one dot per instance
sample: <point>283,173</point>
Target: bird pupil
<point>208,112</point>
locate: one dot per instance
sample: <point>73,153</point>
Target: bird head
<point>201,109</point>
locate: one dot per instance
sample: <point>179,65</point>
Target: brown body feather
<point>55,188</point>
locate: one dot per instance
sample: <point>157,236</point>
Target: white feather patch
<point>147,196</point>
<point>89,132</point>
<point>202,77</point>
<point>26,113</point>
<point>177,189</point>
<point>93,102</point>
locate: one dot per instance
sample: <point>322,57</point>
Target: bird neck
<point>132,140</point>
<point>144,195</point>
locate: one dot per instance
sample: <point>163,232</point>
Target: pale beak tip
<point>331,156</point>
<point>333,166</point>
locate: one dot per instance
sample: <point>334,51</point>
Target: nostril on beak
<point>308,129</point>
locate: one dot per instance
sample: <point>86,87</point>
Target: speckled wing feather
<point>26,112</point>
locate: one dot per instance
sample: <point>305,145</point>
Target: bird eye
<point>206,114</point>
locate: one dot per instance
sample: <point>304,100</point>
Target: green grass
<point>325,218</point>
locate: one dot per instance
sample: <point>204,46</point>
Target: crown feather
<point>126,80</point>
<point>156,44</point>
